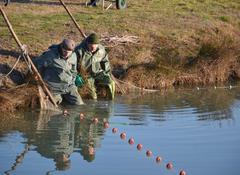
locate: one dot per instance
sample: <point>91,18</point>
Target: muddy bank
<point>18,98</point>
<point>161,62</point>
<point>15,93</point>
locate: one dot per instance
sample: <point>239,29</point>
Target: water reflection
<point>58,136</point>
<point>55,136</point>
<point>86,139</point>
<point>54,139</point>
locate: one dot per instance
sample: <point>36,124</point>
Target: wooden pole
<point>103,4</point>
<point>73,19</point>
<point>35,71</point>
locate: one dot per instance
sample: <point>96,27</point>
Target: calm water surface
<point>196,130</point>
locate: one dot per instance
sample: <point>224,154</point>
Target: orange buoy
<point>65,112</point>
<point>95,120</point>
<point>114,130</point>
<point>169,165</point>
<point>182,172</point>
<point>123,135</point>
<point>158,159</point>
<point>131,141</point>
<point>106,125</point>
<point>149,153</point>
<point>139,146</point>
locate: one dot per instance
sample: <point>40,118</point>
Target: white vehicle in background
<point>120,4</point>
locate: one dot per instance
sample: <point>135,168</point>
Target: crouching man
<point>58,67</point>
<point>93,59</point>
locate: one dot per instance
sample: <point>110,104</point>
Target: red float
<point>95,120</point>
<point>169,166</point>
<point>149,153</point>
<point>158,159</point>
<point>123,135</point>
<point>65,112</point>
<point>139,146</point>
<point>114,130</point>
<point>106,125</point>
<point>131,141</point>
<point>182,172</point>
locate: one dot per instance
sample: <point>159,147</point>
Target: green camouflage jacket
<point>94,63</point>
<point>57,72</point>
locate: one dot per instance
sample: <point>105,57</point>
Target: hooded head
<point>68,44</point>
<point>92,42</point>
<point>93,39</point>
<point>67,47</point>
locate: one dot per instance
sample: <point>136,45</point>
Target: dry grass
<point>17,99</point>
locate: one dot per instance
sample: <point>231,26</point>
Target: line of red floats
<point>131,141</point>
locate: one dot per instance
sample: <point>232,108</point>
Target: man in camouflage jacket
<point>58,67</point>
<point>93,58</point>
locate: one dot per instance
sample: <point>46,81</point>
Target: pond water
<point>196,130</point>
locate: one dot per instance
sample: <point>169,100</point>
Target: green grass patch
<point>224,18</point>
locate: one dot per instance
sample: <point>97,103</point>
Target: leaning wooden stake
<point>84,36</point>
<point>34,69</point>
<point>73,19</point>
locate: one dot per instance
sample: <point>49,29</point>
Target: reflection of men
<point>58,67</point>
<point>85,140</point>
<point>55,139</point>
<point>93,58</point>
<point>62,161</point>
<point>88,135</point>
<point>88,152</point>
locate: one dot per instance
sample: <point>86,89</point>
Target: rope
<point>5,76</point>
<point>24,53</point>
<point>139,88</point>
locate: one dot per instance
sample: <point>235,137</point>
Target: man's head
<point>88,153</point>
<point>62,161</point>
<point>67,47</point>
<point>92,42</point>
